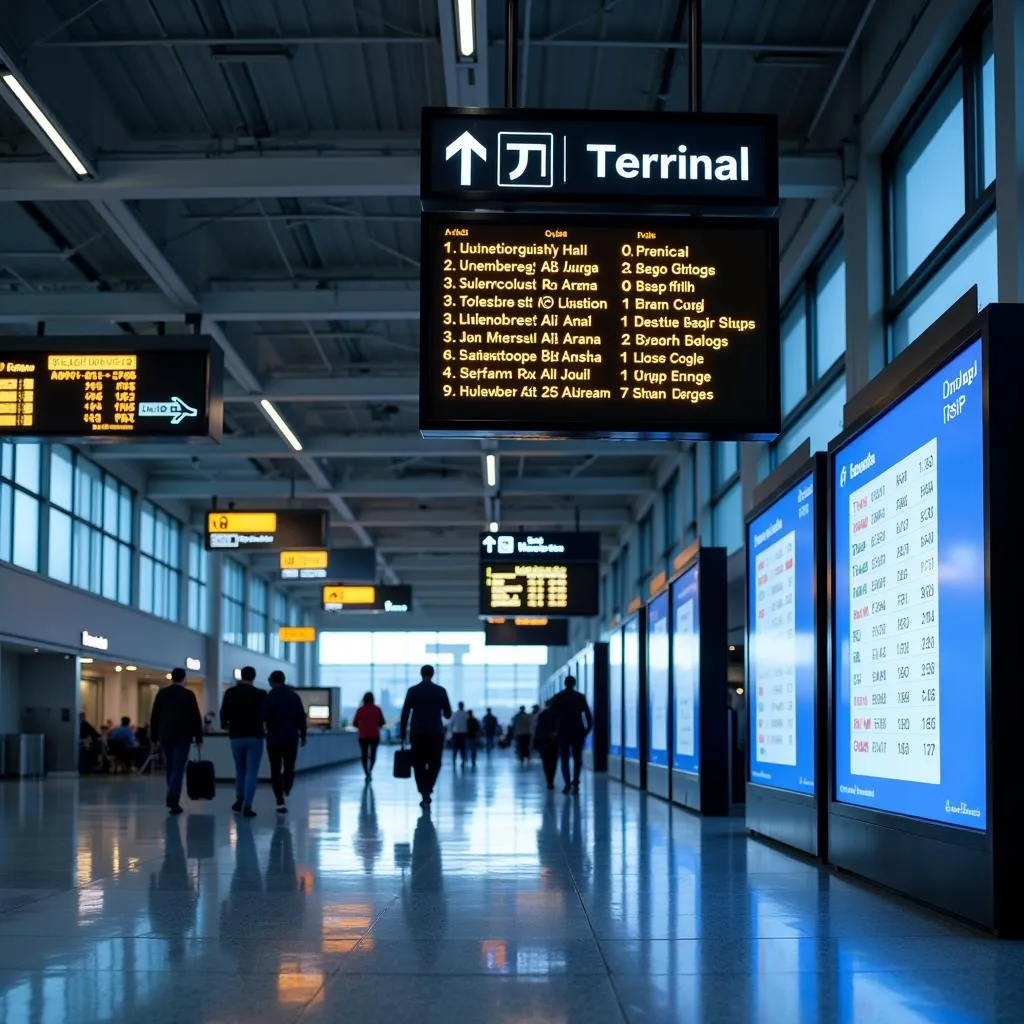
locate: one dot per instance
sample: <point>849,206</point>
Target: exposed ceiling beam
<point>382,446</point>
<point>591,518</point>
<point>309,176</point>
<point>308,390</point>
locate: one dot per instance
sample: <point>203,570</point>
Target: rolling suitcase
<point>200,780</point>
<point>403,764</point>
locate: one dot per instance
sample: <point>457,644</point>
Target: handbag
<point>403,764</point>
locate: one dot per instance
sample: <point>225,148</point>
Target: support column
<point>1008,33</point>
<point>213,646</point>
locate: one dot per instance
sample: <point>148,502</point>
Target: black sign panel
<point>529,587</point>
<point>526,631</point>
<point>355,564</point>
<point>265,530</point>
<point>583,326</point>
<point>556,156</point>
<point>347,597</point>
<point>540,547</point>
<point>106,389</point>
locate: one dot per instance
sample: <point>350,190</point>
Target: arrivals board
<point>573,325</point>
<point>358,597</point>
<point>910,603</point>
<point>98,388</point>
<point>657,680</point>
<point>265,530</point>
<point>686,671</point>
<point>524,631</point>
<point>539,587</point>
<point>781,641</point>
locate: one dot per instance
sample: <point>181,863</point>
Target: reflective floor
<point>507,904</point>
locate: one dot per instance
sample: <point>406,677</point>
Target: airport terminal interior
<point>649,351</point>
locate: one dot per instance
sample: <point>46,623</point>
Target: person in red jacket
<point>369,720</point>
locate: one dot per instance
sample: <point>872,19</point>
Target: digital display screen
<point>319,713</point>
<point>85,387</point>
<point>609,327</point>
<point>781,642</point>
<point>265,531</point>
<point>910,604</point>
<point>615,694</point>
<point>631,689</point>
<point>567,588</point>
<point>686,670</point>
<point>526,631</point>
<point>657,680</point>
<point>360,597</point>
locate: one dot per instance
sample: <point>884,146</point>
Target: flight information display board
<point>910,604</point>
<point>615,695</point>
<point>631,689</point>
<point>87,387</point>
<point>540,588</point>
<point>657,680</point>
<point>686,670</point>
<point>781,640</point>
<point>265,531</point>
<point>605,327</point>
<point>520,631</point>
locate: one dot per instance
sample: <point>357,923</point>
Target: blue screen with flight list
<point>910,604</point>
<point>686,672</point>
<point>781,642</point>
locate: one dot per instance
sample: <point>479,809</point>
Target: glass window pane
<point>146,583</point>
<point>126,525</point>
<point>80,553</point>
<point>822,423</point>
<point>6,521</point>
<point>160,538</point>
<point>988,111</point>
<point>124,574</point>
<point>974,263</point>
<point>96,563</point>
<point>794,358</point>
<point>83,490</point>
<point>61,477</point>
<point>727,461</point>
<point>929,184</point>
<point>25,549</point>
<point>110,505</point>
<point>110,568</point>
<point>727,520</point>
<point>146,528</point>
<point>830,312</point>
<point>60,546</point>
<point>26,466</point>
<point>6,459</point>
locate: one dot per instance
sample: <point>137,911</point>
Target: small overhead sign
<point>520,631</point>
<point>296,634</point>
<point>544,156</point>
<point>266,531</point>
<point>356,565</point>
<point>94,641</point>
<point>584,546</point>
<point>361,598</point>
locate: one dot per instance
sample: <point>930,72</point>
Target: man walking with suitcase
<point>426,704</point>
<point>176,723</point>
<point>285,715</point>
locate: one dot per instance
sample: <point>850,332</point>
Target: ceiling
<point>256,163</point>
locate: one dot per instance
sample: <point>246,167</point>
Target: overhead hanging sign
<point>607,156</point>
<point>584,546</point>
<point>361,598</point>
<point>522,631</point>
<point>265,531</point>
<point>296,634</point>
<point>355,564</point>
<point>106,389</point>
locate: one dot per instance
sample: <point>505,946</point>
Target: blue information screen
<point>615,694</point>
<point>657,681</point>
<point>781,642</point>
<point>910,604</point>
<point>631,689</point>
<point>686,671</point>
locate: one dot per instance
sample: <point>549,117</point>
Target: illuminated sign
<point>193,665</point>
<point>268,531</point>
<point>299,560</point>
<point>523,631</point>
<point>359,598</point>
<point>296,634</point>
<point>540,547</point>
<point>570,325</point>
<point>557,156</point>
<point>106,389</point>
<point>357,564</point>
<point>93,640</point>
<point>543,588</point>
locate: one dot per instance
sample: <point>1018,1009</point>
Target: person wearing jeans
<point>175,723</point>
<point>285,718</point>
<point>241,713</point>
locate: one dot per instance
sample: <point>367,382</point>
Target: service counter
<point>322,750</point>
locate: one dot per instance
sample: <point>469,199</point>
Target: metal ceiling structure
<point>256,166</point>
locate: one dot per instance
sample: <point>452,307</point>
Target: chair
<point>120,756</point>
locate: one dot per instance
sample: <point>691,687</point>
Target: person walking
<point>522,729</point>
<point>545,742</point>
<point>472,736</point>
<point>369,720</point>
<point>176,723</point>
<point>241,713</point>
<point>426,705</point>
<point>490,730</point>
<point>285,718</point>
<point>460,729</point>
<point>574,724</point>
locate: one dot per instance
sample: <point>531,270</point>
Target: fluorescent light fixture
<point>492,470</point>
<point>85,661</point>
<point>465,34</point>
<point>49,130</point>
<point>131,668</point>
<point>278,420</point>
<point>493,527</point>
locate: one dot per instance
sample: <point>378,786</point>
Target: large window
<point>232,588</point>
<point>941,193</point>
<point>198,598</point>
<point>159,563</point>
<point>20,479</point>
<point>256,633</point>
<point>91,527</point>
<point>278,618</point>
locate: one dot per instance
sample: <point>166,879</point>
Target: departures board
<point>571,325</point>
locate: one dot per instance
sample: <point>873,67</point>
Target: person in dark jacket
<point>574,724</point>
<point>241,713</point>
<point>545,742</point>
<point>176,723</point>
<point>426,704</point>
<point>285,718</point>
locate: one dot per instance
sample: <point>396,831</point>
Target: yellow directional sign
<point>241,522</point>
<point>303,559</point>
<point>296,634</point>
<point>349,595</point>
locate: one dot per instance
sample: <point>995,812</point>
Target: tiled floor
<point>508,905</point>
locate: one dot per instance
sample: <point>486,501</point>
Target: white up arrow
<point>466,145</point>
<point>489,542</point>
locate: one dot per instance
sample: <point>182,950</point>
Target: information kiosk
<point>698,643</point>
<point>658,696</point>
<point>927,703</point>
<point>787,656</point>
<point>615,744</point>
<point>634,700</point>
